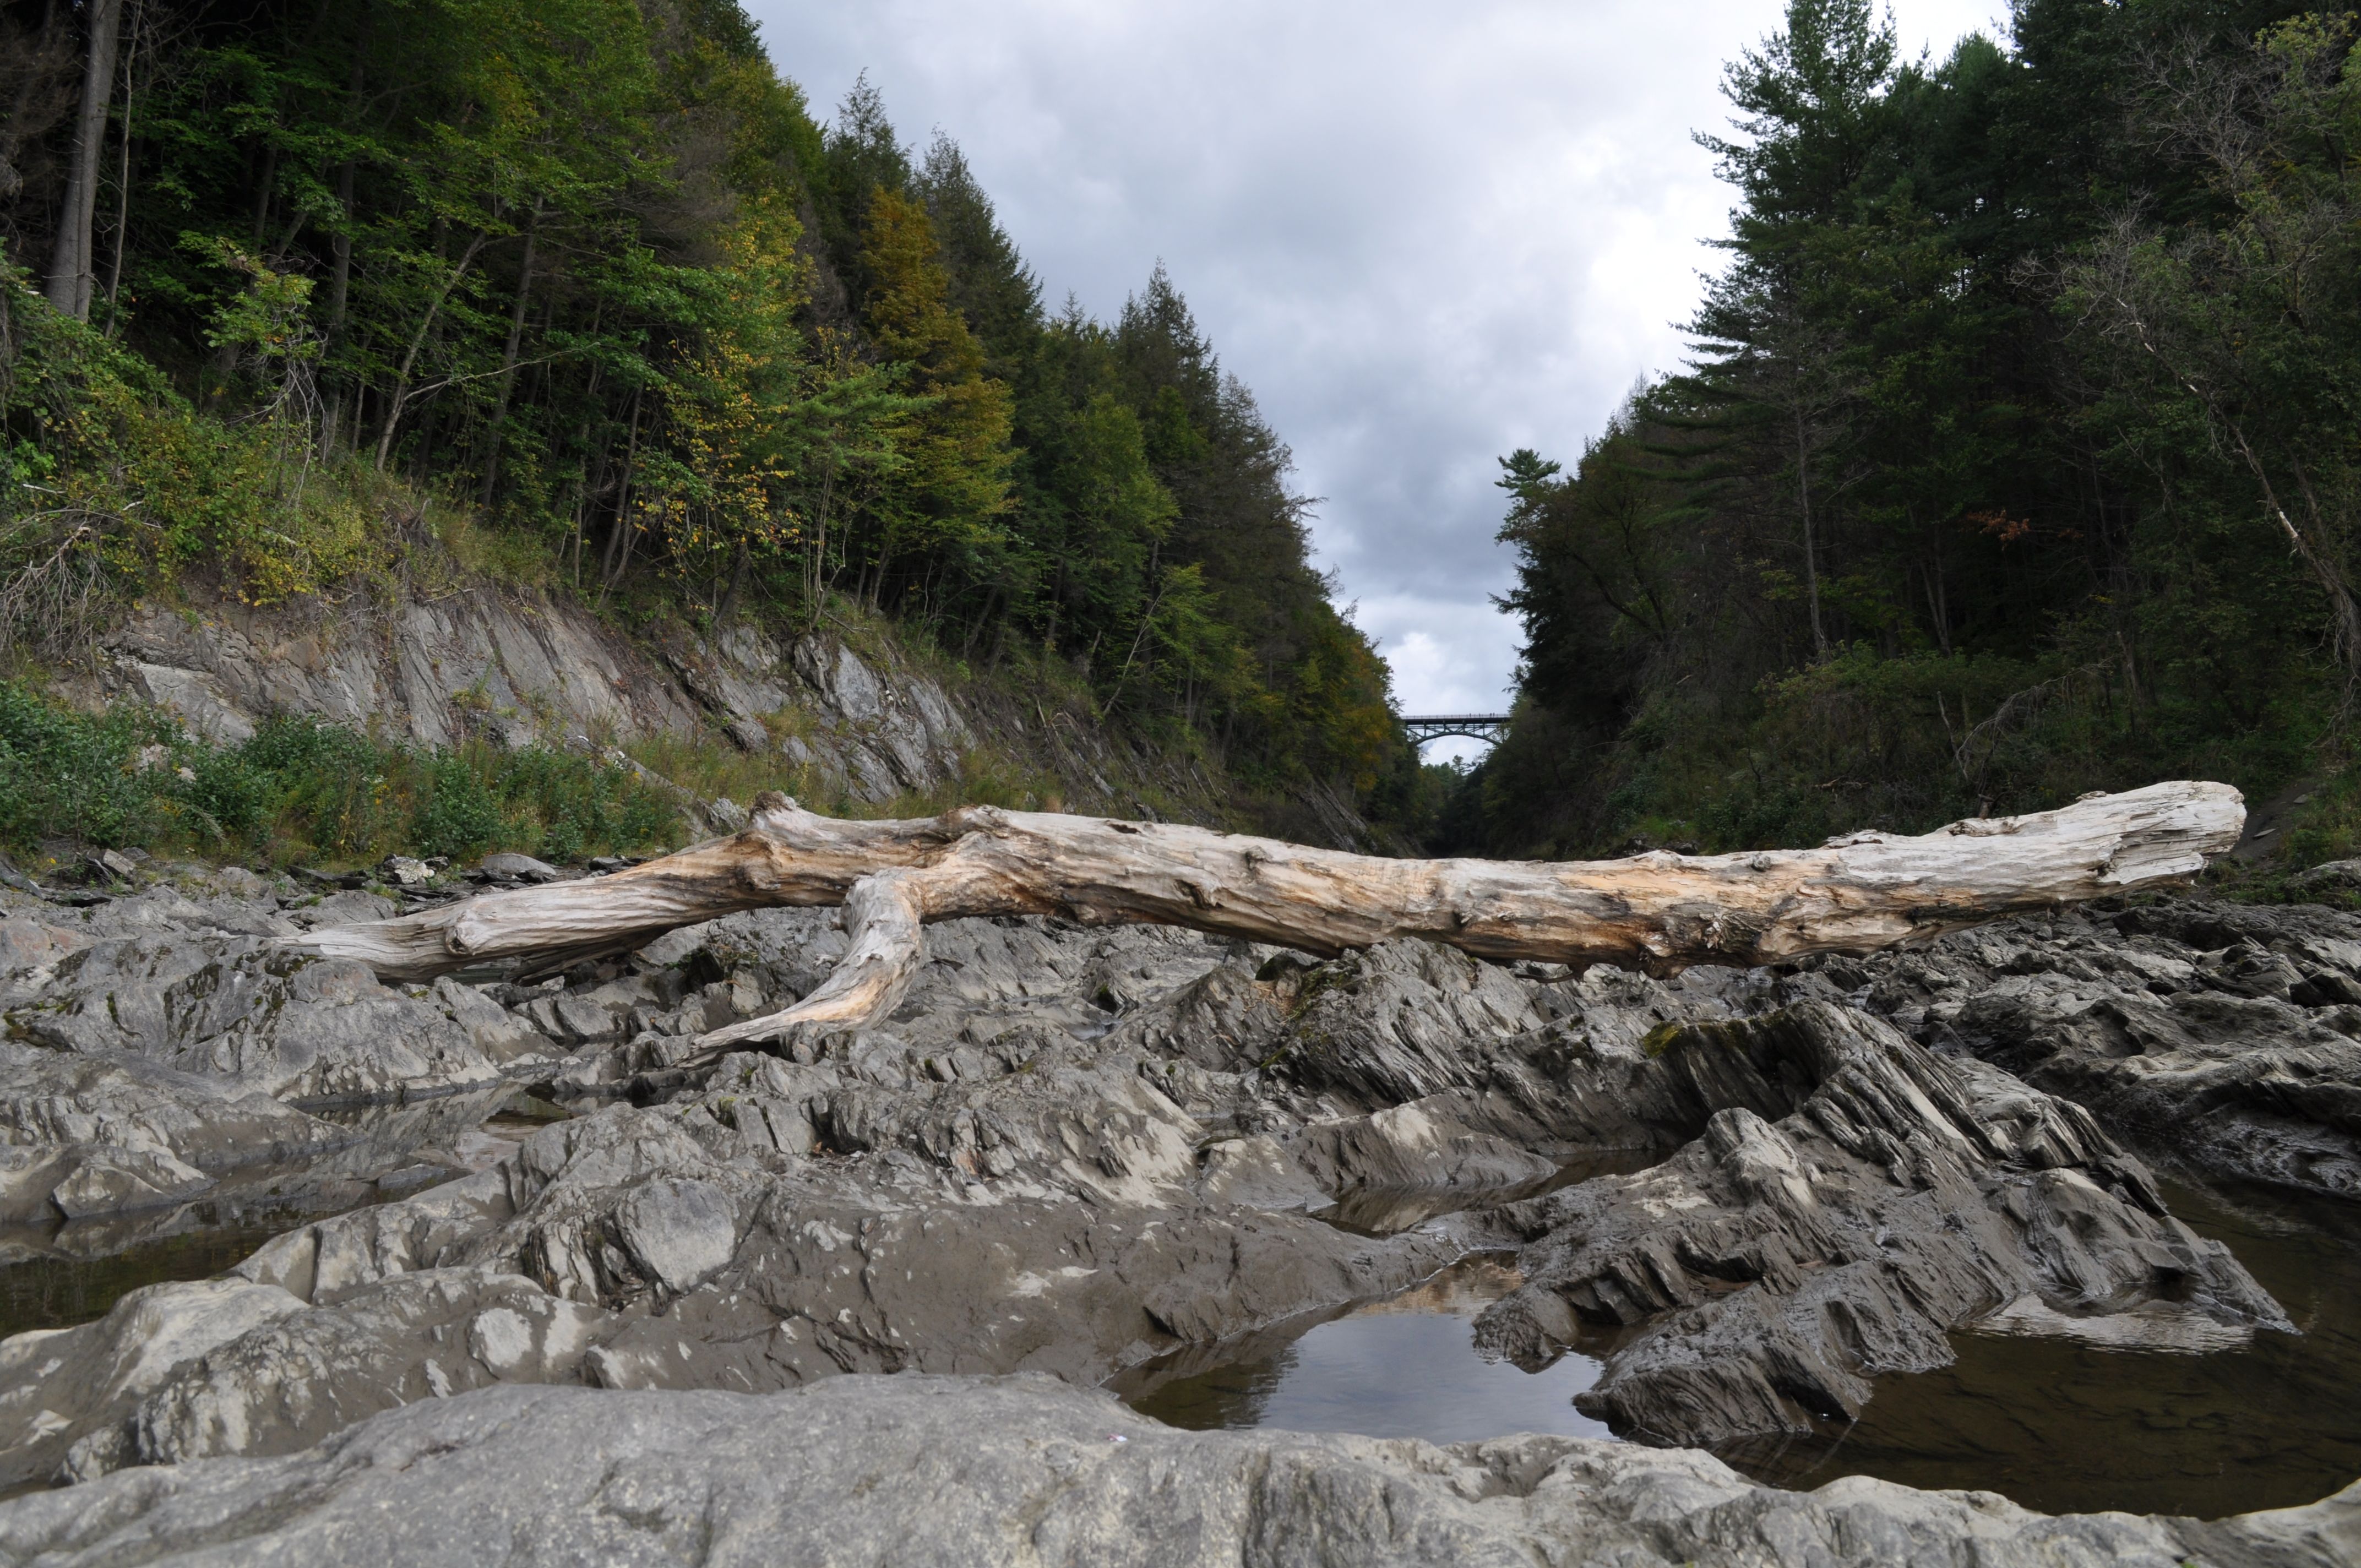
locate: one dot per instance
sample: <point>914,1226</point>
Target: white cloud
<point>1424,235</point>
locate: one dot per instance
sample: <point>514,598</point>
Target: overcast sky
<point>1426,235</point>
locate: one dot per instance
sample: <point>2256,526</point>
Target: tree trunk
<point>71,261</point>
<point>1655,911</point>
<point>509,359</point>
<point>1811,554</point>
<point>341,245</point>
<point>340,276</point>
<point>402,378</point>
<point>123,177</point>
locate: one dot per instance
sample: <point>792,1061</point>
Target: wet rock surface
<point>160,1046</point>
<point>1073,1151</point>
<point>923,1470</point>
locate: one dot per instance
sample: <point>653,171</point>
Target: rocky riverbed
<point>1752,1196</point>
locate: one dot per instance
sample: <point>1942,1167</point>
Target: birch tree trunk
<point>1655,912</point>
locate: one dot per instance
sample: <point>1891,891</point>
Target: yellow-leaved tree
<point>954,484</point>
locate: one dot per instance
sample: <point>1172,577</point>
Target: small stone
<point>727,815</point>
<point>519,868</point>
<point>585,1020</point>
<point>676,946</point>
<point>2335,876</point>
<point>404,871</point>
<point>500,1339</point>
<point>748,735</point>
<point>680,1232</point>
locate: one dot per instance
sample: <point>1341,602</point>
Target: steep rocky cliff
<point>854,716</point>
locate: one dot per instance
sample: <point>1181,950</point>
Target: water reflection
<point>1402,1367</point>
<point>57,1275</point>
<point>2066,1426</point>
<point>1389,1210</point>
<point>2061,1421</point>
<point>54,1279</point>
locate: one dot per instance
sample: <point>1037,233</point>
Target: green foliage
<point>300,792</point>
<point>2015,457</point>
<point>584,284</point>
<point>117,482</point>
<point>64,773</point>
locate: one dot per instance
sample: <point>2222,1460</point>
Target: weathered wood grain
<point>1656,912</point>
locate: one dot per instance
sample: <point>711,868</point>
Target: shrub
<point>299,789</point>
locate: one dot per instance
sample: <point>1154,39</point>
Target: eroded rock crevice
<point>1071,1151</point>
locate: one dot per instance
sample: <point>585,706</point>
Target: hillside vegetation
<point>307,299</point>
<point>2018,453</point>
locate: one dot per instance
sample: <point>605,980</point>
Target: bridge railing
<point>1425,726</point>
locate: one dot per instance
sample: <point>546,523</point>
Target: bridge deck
<point>1425,726</point>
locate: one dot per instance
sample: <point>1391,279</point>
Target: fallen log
<point>1656,912</point>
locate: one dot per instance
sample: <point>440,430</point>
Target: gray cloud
<point>1424,235</point>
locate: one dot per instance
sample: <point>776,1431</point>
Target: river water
<point>53,1276</point>
<point>2057,1424</point>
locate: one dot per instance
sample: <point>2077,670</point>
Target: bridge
<point>1486,727</point>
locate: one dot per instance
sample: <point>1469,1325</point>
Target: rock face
<point>1069,1152</point>
<point>2223,1037</point>
<point>158,1047</point>
<point>1771,1267</point>
<point>923,1471</point>
<point>91,1135</point>
<point>203,987</point>
<point>230,665</point>
<point>1073,1151</point>
<point>521,667</point>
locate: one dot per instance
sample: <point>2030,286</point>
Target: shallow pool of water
<point>54,1277</point>
<point>1403,1367</point>
<point>2068,1427</point>
<point>59,1278</point>
<point>2057,1424</point>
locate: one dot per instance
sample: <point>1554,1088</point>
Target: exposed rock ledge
<point>916,1471</point>
<point>1071,1151</point>
<point>519,665</point>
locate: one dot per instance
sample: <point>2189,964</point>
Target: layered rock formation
<point>521,667</point>
<point>923,1471</point>
<point>2225,1039</point>
<point>1071,1151</point>
<point>1773,1265</point>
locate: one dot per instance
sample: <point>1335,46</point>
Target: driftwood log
<point>1655,911</point>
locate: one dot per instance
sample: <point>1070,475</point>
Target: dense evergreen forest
<point>293,286</point>
<point>2018,453</point>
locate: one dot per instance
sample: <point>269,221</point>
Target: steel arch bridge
<point>1484,727</point>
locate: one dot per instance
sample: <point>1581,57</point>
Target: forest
<point>2016,454</point>
<point>292,290</point>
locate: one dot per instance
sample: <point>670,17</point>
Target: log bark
<point>1655,912</point>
